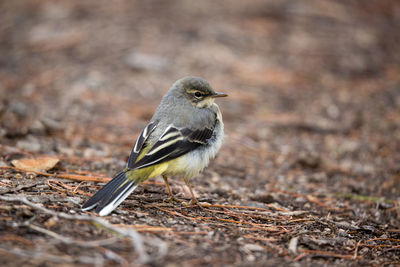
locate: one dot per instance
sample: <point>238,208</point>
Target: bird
<point>184,134</point>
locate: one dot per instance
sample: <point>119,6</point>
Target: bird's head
<point>197,90</point>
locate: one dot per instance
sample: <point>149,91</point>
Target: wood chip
<point>44,163</point>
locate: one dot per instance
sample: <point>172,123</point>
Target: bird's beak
<point>219,95</point>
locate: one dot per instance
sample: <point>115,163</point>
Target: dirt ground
<point>309,173</point>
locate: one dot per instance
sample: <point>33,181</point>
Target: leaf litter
<point>309,170</point>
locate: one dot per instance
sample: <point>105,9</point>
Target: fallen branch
<point>131,234</point>
<point>73,177</point>
<point>328,254</point>
<point>356,249</point>
<point>233,207</point>
<point>16,189</point>
<point>16,238</point>
<point>65,188</point>
<point>43,256</point>
<point>70,241</point>
<point>388,246</point>
<point>67,176</point>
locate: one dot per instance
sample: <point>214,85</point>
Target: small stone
<point>251,257</point>
<point>51,222</point>
<point>19,108</point>
<point>293,244</point>
<point>31,175</point>
<point>327,230</point>
<point>342,233</point>
<point>264,198</point>
<point>114,219</point>
<point>368,228</point>
<point>364,251</point>
<point>300,200</point>
<point>253,247</point>
<point>37,127</point>
<point>51,125</point>
<point>29,146</point>
<point>122,212</point>
<point>347,225</point>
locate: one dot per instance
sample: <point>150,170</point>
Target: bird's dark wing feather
<point>139,143</point>
<point>173,143</point>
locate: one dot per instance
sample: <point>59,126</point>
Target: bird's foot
<point>193,203</point>
<point>172,199</point>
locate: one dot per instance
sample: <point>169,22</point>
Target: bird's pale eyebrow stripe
<point>193,91</point>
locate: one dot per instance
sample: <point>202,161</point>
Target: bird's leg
<point>194,200</point>
<point>171,196</point>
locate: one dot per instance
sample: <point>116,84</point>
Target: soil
<point>309,173</point>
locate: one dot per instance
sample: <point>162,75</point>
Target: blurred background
<point>312,127</point>
<point>314,86</point>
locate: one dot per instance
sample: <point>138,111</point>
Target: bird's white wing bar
<point>139,143</point>
<point>170,132</point>
<point>173,143</point>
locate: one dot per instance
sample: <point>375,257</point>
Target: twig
<point>67,176</point>
<point>255,226</point>
<point>388,246</point>
<point>131,234</point>
<point>266,239</point>
<point>383,239</point>
<point>114,256</point>
<point>67,187</point>
<point>300,256</point>
<point>76,188</point>
<point>174,213</point>
<point>152,229</point>
<point>145,228</point>
<point>42,256</point>
<point>190,233</point>
<point>86,173</point>
<point>70,241</point>
<point>356,249</point>
<point>243,214</point>
<point>4,185</point>
<point>20,187</point>
<point>327,253</point>
<point>232,206</point>
<point>12,237</point>
<point>392,248</point>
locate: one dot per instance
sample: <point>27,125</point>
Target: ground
<point>309,173</point>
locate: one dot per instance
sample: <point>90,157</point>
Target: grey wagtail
<point>186,131</point>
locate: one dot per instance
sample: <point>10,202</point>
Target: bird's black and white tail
<point>111,195</point>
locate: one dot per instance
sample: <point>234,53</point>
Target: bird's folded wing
<point>173,143</point>
<point>139,144</point>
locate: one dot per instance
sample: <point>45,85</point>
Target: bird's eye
<point>197,94</point>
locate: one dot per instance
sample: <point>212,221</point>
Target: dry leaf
<point>36,164</point>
